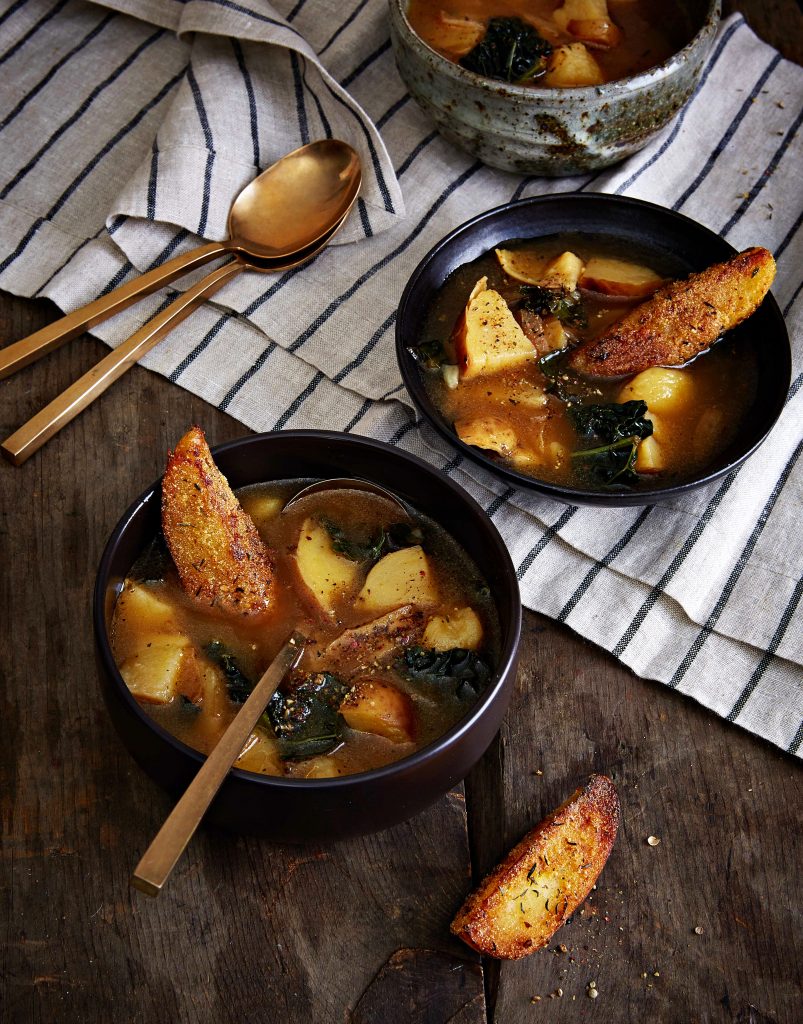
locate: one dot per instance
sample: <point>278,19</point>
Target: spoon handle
<point>170,841</point>
<point>27,350</point>
<point>48,421</point>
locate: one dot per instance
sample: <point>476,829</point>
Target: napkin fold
<point>130,125</point>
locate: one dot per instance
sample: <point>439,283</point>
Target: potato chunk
<point>572,66</point>
<point>555,334</point>
<point>487,338</point>
<point>520,264</point>
<point>402,577</point>
<point>649,457</point>
<point>600,33</point>
<point>488,432</point>
<point>563,272</point>
<point>681,320</point>
<point>220,557</point>
<point>378,640</point>
<point>144,606</point>
<point>327,575</point>
<point>262,508</point>
<point>207,690</point>
<point>525,899</point>
<point>666,391</point>
<point>377,707</point>
<point>260,754</point>
<point>318,768</point>
<point>619,277</point>
<point>580,10</point>
<point>458,34</point>
<point>460,628</point>
<point>154,673</point>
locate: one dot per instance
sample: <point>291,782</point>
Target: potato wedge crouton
<point>377,707</point>
<point>378,640</point>
<point>681,320</point>
<point>220,557</point>
<point>544,879</point>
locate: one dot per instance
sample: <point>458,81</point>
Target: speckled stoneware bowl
<point>543,131</point>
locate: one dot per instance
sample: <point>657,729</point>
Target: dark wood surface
<point>248,931</point>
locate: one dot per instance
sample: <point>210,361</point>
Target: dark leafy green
<point>355,549</point>
<point>305,720</point>
<point>563,383</point>
<point>152,564</point>
<point>510,51</point>
<point>238,685</point>
<point>565,305</point>
<point>402,535</point>
<point>431,354</point>
<point>190,705</point>
<point>612,433</point>
<point>461,669</point>
<point>391,538</point>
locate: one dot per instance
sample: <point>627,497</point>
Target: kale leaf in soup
<point>610,435</point>
<point>510,50</point>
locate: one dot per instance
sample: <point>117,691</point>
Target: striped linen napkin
<point>129,126</point>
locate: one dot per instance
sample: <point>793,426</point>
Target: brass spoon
<point>348,484</point>
<point>30,437</point>
<point>170,841</point>
<point>288,208</point>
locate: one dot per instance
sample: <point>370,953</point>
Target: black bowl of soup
<point>629,440</point>
<point>447,658</point>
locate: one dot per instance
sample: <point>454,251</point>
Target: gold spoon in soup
<point>172,838</point>
<point>348,484</point>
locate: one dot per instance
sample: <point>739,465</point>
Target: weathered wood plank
<point>726,808</point>
<point>247,930</point>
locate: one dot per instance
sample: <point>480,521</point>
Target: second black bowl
<point>676,241</point>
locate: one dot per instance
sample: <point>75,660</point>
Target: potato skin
<point>220,557</point>
<point>544,879</point>
<point>378,640</point>
<point>681,320</point>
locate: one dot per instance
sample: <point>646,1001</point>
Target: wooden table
<point>704,927</point>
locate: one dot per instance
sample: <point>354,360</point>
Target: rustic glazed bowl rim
<point>510,632</point>
<point>621,86</point>
<point>413,377</point>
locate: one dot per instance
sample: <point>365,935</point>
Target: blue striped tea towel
<point>128,126</point>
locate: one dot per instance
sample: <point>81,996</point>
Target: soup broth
<point>528,415</point>
<point>609,42</point>
<point>402,657</point>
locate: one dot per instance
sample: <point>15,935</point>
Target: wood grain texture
<point>246,930</point>
<point>726,808</point>
<point>779,22</point>
<point>249,931</point>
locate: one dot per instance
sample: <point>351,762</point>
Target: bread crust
<point>220,556</point>
<point>681,319</point>
<point>544,879</point>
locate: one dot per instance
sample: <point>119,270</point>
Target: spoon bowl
<point>279,219</point>
<point>295,202</point>
<point>346,483</point>
<point>327,173</point>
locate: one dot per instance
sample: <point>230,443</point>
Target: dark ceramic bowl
<point>673,243</point>
<point>298,810</point>
<point>550,131</point>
